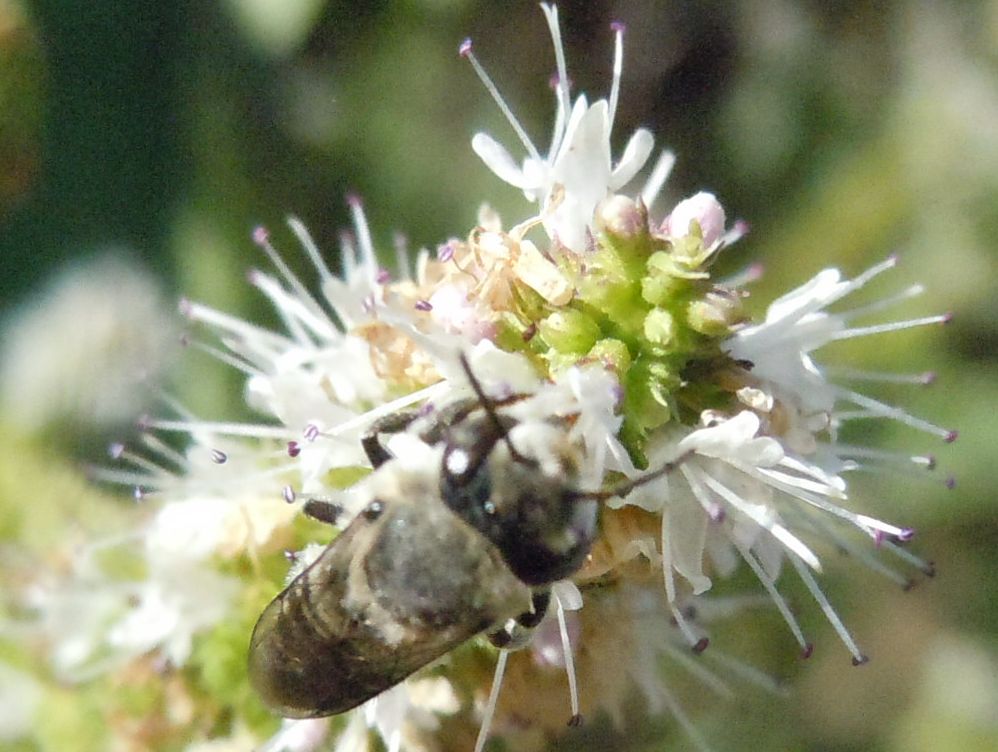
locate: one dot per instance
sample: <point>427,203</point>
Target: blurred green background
<point>161,133</point>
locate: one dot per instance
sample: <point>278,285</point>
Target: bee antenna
<point>489,407</point>
<point>623,489</point>
<point>490,707</point>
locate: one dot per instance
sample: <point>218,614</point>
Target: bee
<point>439,554</point>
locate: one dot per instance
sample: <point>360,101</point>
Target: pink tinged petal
<point>497,159</point>
<point>636,153</point>
<point>706,210</point>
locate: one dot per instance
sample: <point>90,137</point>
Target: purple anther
<point>382,276</point>
<point>860,660</point>
<point>115,450</point>
<point>716,513</point>
<point>951,436</point>
<point>423,305</point>
<point>291,556</point>
<point>906,534</point>
<point>353,200</point>
<point>219,457</point>
<point>445,252</point>
<point>529,333</point>
<point>311,432</point>
<point>576,720</point>
<point>807,651</point>
<point>618,27</point>
<point>294,449</point>
<point>464,49</point>
<point>261,235</point>
<point>947,317</point>
<point>929,377</point>
<point>701,645</point>
<point>289,494</point>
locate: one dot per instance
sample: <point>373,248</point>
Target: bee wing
<point>390,595</point>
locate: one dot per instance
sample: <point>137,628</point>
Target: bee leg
<point>323,511</point>
<point>371,440</point>
<point>515,633</point>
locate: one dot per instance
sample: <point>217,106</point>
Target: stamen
<point>778,600</point>
<point>295,312</point>
<point>566,646</point>
<point>659,174</point>
<point>883,410</point>
<point>925,378</point>
<point>894,326</point>
<point>857,657</point>
<point>689,728</point>
<point>908,293</point>
<point>348,255</point>
<point>885,457</point>
<point>315,256</point>
<point>262,239</point>
<point>402,261</point>
<point>228,359</point>
<point>695,666</point>
<point>618,67</point>
<point>219,457</point>
<point>249,430</point>
<point>156,445</point>
<point>761,518</point>
<point>490,706</point>
<point>925,567</point>
<point>562,94</point>
<point>465,51</point>
<point>364,242</point>
<point>241,329</point>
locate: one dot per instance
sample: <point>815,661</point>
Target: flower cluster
<point>611,319</point>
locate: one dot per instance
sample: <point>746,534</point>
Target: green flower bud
<point>660,327</point>
<point>622,217</point>
<point>569,331</point>
<point>612,353</point>
<point>715,313</point>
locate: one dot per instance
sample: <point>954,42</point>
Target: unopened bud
<point>705,211</point>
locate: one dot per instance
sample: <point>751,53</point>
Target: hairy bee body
<point>401,586</point>
<point>467,543</point>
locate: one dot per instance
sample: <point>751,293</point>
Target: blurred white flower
<point>88,350</point>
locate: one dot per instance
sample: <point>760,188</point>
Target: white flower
<point>20,700</point>
<point>578,171</point>
<point>88,350</point>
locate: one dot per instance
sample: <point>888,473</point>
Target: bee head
<point>515,482</point>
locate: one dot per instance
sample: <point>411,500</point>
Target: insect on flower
<point>439,554</point>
